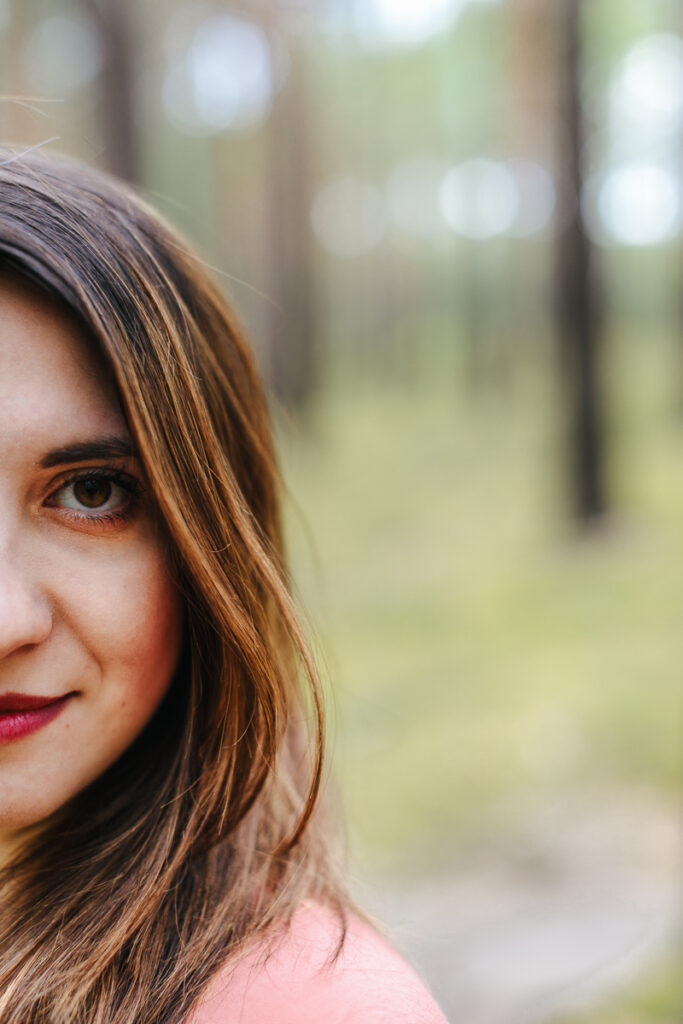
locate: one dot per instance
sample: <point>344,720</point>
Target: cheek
<point>118,625</point>
<point>146,630</point>
<point>126,614</point>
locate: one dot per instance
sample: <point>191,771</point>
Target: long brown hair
<point>203,834</point>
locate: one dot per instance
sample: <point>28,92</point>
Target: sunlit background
<point>453,231</point>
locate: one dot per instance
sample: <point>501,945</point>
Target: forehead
<point>52,378</point>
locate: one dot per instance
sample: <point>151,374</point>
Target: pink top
<point>369,983</point>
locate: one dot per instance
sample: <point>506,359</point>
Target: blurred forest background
<point>453,231</point>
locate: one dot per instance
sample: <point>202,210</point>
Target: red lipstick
<point>21,714</point>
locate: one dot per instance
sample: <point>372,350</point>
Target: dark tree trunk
<point>576,286</point>
<point>119,124</point>
<point>294,364</point>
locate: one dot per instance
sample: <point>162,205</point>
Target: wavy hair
<point>203,834</point>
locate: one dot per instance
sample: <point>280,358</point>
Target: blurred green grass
<point>481,650</point>
<point>655,999</point>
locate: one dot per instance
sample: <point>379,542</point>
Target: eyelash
<point>109,474</point>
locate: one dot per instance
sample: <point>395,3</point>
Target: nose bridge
<point>25,615</point>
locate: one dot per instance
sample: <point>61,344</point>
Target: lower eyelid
<point>98,521</point>
<point>95,516</point>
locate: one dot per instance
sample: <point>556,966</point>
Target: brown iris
<point>92,492</point>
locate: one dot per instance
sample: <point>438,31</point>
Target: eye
<point>97,491</point>
<point>92,492</point>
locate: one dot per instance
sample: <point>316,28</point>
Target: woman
<point>162,855</point>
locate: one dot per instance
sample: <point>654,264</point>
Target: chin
<point>21,813</point>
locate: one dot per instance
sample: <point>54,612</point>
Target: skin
<point>87,605</point>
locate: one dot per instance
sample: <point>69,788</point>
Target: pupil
<point>92,492</point>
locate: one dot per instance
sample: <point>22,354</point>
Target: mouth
<point>21,714</point>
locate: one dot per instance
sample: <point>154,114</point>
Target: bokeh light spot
<point>223,79</point>
<point>640,204</point>
<point>479,199</point>
<point>63,54</point>
<point>649,81</point>
<point>402,22</point>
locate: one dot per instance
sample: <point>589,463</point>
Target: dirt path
<point>576,901</point>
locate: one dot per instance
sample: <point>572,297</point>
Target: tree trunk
<point>119,124</point>
<point>576,286</point>
<point>294,365</point>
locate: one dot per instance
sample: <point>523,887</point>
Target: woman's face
<point>90,620</point>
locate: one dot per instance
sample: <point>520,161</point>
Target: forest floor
<point>562,914</point>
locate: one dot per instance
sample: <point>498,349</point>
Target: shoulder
<point>301,981</point>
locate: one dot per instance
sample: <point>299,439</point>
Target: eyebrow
<point>86,451</point>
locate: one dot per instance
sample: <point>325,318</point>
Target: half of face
<point>90,618</point>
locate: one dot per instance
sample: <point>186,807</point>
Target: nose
<point>25,615</point>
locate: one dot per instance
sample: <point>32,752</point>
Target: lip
<point>21,714</point>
